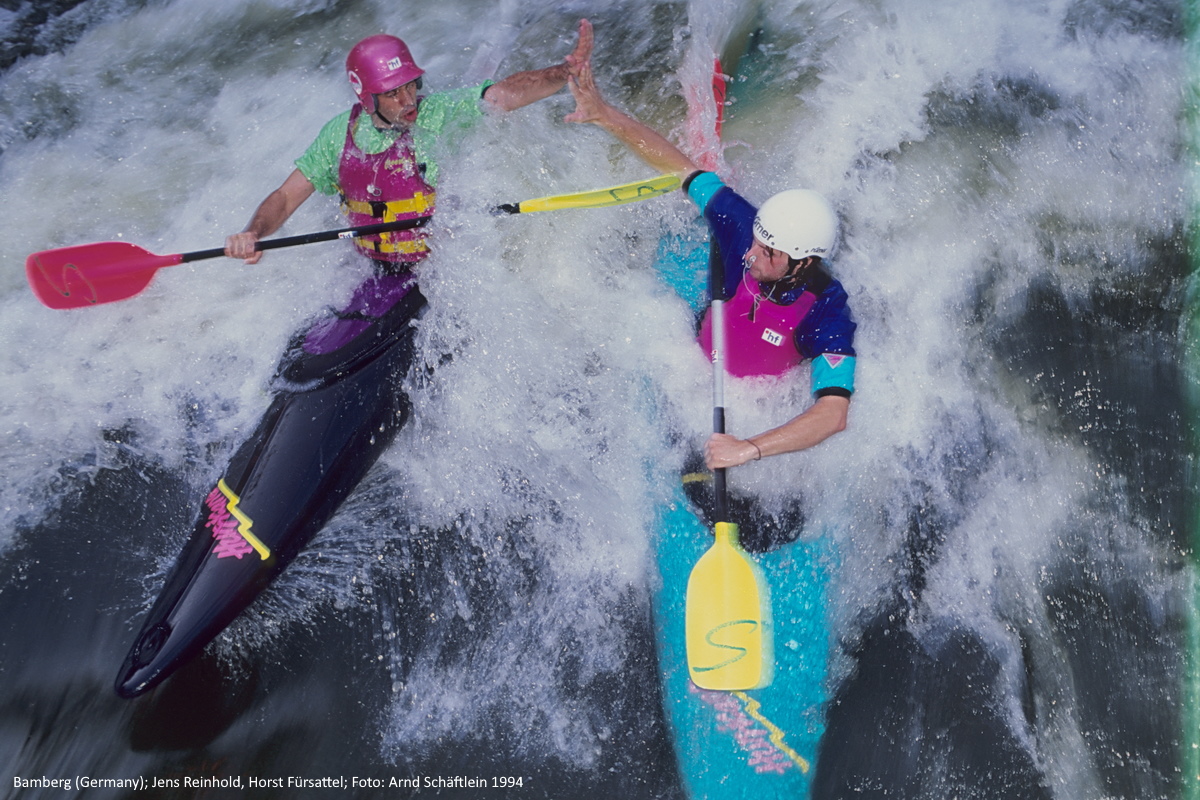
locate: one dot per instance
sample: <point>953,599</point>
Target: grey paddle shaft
<point>716,290</point>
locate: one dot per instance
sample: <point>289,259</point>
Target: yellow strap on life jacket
<point>417,204</point>
<point>402,246</point>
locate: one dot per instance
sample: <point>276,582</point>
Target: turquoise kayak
<point>762,743</point>
<point>759,744</point>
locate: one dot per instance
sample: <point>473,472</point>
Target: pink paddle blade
<point>90,274</point>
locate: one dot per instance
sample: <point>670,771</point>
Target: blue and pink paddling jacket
<point>768,331</point>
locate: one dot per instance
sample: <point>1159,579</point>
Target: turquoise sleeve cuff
<point>833,371</point>
<point>703,187</point>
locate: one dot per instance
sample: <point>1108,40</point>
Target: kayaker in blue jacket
<point>783,306</point>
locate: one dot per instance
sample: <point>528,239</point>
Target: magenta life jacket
<point>759,334</point>
<point>384,187</point>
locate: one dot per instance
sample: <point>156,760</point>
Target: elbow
<point>839,425</point>
<point>838,413</point>
<point>835,426</point>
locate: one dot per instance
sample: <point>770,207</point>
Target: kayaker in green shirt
<point>378,155</point>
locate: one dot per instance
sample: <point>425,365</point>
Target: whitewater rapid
<point>1011,177</point>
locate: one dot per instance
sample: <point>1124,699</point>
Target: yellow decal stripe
<point>244,522</point>
<point>752,707</point>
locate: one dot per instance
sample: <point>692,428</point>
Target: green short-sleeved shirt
<point>438,114</point>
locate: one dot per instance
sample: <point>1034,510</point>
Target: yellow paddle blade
<point>729,643</point>
<point>599,198</point>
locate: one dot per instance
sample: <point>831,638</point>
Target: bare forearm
<point>269,217</point>
<point>647,143</point>
<point>651,146</point>
<point>523,88</point>
<point>527,87</point>
<point>280,205</point>
<point>821,420</point>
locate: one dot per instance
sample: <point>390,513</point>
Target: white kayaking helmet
<point>800,222</point>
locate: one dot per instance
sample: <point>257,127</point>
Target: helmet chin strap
<point>794,275</point>
<point>379,113</point>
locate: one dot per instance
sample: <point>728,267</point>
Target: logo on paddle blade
<point>70,281</point>
<point>738,628</point>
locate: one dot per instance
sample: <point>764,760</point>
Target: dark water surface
<point>1011,498</point>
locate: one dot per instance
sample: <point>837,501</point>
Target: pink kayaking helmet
<point>379,64</point>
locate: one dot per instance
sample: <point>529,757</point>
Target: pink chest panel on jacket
<point>759,334</point>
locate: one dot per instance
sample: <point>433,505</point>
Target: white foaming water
<point>971,149</point>
<point>974,150</point>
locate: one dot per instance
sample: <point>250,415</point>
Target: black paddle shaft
<point>721,504</point>
<point>320,236</point>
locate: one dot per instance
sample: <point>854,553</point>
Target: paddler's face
<point>399,105</point>
<point>766,265</point>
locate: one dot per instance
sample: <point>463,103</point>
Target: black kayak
<point>337,406</point>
